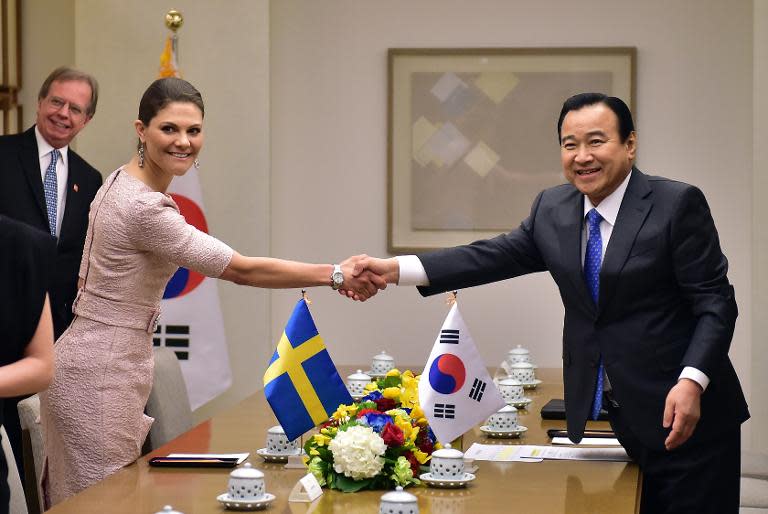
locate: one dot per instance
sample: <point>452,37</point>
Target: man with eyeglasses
<point>45,184</point>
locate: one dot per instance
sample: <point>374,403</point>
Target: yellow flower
<point>391,392</point>
<point>417,413</point>
<point>321,439</point>
<point>420,456</point>
<point>314,452</point>
<point>371,386</point>
<point>409,431</point>
<point>345,411</point>
<point>394,372</point>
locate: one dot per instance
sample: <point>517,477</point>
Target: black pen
<point>605,434</point>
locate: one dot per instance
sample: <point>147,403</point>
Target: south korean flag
<point>455,391</point>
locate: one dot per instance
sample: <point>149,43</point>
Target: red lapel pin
<point>76,188</point>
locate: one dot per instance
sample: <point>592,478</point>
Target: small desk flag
<point>455,391</point>
<point>301,383</point>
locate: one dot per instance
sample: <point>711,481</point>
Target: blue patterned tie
<point>51,191</point>
<point>592,261</point>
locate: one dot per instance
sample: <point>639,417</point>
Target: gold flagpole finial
<point>174,20</point>
<point>452,298</point>
<point>305,297</point>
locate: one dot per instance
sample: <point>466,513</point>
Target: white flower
<point>357,452</point>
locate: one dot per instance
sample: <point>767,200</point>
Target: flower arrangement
<point>379,443</point>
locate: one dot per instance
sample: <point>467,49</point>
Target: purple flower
<point>372,396</point>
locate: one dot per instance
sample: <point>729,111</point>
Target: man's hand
<point>377,272</point>
<point>682,411</point>
<point>360,284</point>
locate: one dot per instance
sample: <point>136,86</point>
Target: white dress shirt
<point>412,271</point>
<point>62,173</point>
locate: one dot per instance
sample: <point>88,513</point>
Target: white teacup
<point>447,463</point>
<point>246,483</point>
<point>504,420</point>
<point>356,383</point>
<point>523,371</point>
<point>398,502</point>
<point>511,389</point>
<point>382,363</point>
<point>518,354</point>
<point>278,443</point>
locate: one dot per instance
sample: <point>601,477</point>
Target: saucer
<point>447,483</point>
<point>275,457</point>
<point>375,375</point>
<point>510,434</point>
<point>521,404</point>
<point>531,385</point>
<point>234,504</point>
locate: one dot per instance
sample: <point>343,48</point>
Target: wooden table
<point>546,487</point>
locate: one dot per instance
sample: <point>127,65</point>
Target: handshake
<point>364,276</point>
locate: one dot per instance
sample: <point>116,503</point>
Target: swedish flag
<point>301,383</point>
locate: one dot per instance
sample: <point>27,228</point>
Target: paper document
<point>589,441</point>
<point>498,453</point>
<point>239,456</point>
<point>567,453</point>
<point>528,453</point>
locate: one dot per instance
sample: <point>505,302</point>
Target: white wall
<point>329,133</point>
<point>48,41</point>
<point>759,406</point>
<point>224,52</point>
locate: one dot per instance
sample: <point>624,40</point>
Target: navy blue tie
<point>592,262</point>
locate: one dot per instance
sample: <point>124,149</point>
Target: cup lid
<point>398,496</point>
<point>359,375</point>
<point>507,408</point>
<point>277,429</point>
<point>522,365</point>
<point>169,510</point>
<point>247,471</point>
<point>509,381</point>
<point>519,350</point>
<point>383,356</point>
<point>448,453</point>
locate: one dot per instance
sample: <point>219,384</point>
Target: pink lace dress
<point>93,412</point>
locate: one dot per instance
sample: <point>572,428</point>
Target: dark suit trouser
<point>700,479</point>
<point>5,491</point>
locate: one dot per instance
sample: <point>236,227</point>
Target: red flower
<point>392,435</point>
<point>363,412</point>
<point>415,466</point>
<point>423,442</point>
<point>385,404</point>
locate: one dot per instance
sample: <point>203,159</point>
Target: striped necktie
<point>592,263</point>
<point>51,191</point>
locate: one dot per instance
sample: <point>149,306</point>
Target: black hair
<point>617,105</point>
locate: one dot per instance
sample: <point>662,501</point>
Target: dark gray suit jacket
<point>22,198</point>
<point>665,300</point>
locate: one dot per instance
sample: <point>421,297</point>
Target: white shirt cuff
<point>412,271</point>
<point>695,375</point>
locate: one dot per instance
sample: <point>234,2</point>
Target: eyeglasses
<point>59,103</point>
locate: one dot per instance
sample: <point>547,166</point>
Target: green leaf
<point>348,485</point>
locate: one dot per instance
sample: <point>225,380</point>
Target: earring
<point>141,155</point>
<point>197,164</point>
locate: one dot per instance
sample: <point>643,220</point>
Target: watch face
<point>338,278</point>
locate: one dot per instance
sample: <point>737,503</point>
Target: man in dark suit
<point>45,184</point>
<point>649,310</point>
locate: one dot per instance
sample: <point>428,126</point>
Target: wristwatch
<point>337,277</point>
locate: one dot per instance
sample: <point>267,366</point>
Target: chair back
<point>18,503</point>
<point>32,448</point>
<point>168,400</point>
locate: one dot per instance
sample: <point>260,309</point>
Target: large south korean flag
<point>455,391</point>
<point>191,322</point>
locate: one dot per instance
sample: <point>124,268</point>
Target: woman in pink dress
<point>93,412</point>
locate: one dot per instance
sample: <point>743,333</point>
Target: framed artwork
<point>473,134</point>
